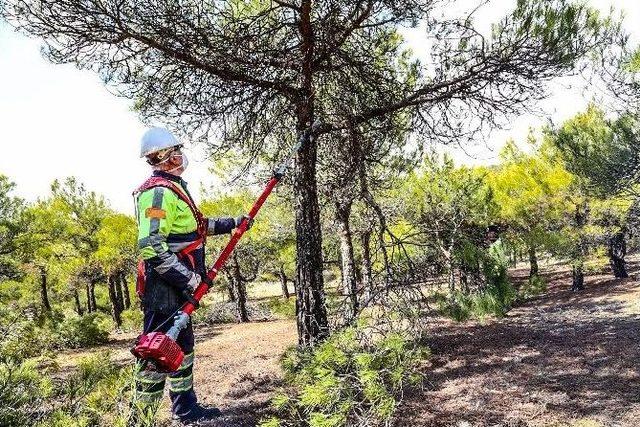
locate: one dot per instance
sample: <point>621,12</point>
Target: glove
<point>241,218</point>
<point>194,282</point>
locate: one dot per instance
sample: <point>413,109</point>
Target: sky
<point>58,121</point>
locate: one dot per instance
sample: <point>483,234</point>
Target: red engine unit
<point>158,347</point>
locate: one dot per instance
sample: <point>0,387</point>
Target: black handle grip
<point>189,297</point>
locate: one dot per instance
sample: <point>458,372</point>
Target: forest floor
<point>559,359</point>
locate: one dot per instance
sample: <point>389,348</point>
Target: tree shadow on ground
<point>204,333</point>
<point>560,356</point>
<point>251,402</point>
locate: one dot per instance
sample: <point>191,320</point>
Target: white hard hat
<point>156,139</point>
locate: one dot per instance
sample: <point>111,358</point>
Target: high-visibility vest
<point>201,230</point>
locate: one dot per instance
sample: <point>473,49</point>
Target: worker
<point>171,238</point>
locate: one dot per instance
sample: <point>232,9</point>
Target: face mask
<point>183,165</point>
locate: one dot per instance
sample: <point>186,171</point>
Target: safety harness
<point>201,230</point>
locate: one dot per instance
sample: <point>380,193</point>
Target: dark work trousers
<point>150,383</point>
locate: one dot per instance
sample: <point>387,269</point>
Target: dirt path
<point>236,369</point>
<point>562,359</point>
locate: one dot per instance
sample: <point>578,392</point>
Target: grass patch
<point>533,287</point>
<point>495,300</point>
<point>281,307</point>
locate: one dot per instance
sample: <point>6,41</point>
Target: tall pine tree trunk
<point>44,290</point>
<point>349,280</point>
<point>113,298</point>
<point>580,248</point>
<point>617,252</point>
<point>88,292</point>
<point>283,282</point>
<point>240,290</point>
<point>92,290</point>
<point>578,277</point>
<point>228,272</point>
<point>311,310</point>
<point>76,300</point>
<point>533,262</point>
<point>365,243</point>
<point>125,291</point>
<point>118,291</point>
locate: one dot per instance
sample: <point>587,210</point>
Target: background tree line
<point>551,196</point>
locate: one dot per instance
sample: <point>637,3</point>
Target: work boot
<point>196,414</point>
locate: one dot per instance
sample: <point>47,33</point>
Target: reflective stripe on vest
<point>201,225</point>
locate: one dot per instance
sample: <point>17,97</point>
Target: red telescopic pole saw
<point>161,348</point>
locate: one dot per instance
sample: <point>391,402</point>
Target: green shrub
<point>456,307</point>
<point>534,286</point>
<point>84,331</point>
<point>26,339</point>
<point>27,332</point>
<point>344,380</point>
<point>97,394</point>
<point>280,307</point>
<point>24,389</point>
<point>132,319</point>
<point>494,300</point>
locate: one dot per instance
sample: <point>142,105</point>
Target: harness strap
<point>140,279</point>
<point>201,222</point>
<point>159,181</point>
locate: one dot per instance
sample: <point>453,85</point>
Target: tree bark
<point>230,286</point>
<point>452,275</point>
<point>115,305</point>
<point>44,291</point>
<point>283,282</point>
<point>125,291</point>
<point>240,290</point>
<point>76,300</point>
<point>118,291</point>
<point>349,281</point>
<point>88,292</point>
<point>464,281</point>
<point>365,242</point>
<point>617,252</point>
<point>533,262</point>
<point>92,289</point>
<point>311,311</point>
<point>578,278</point>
